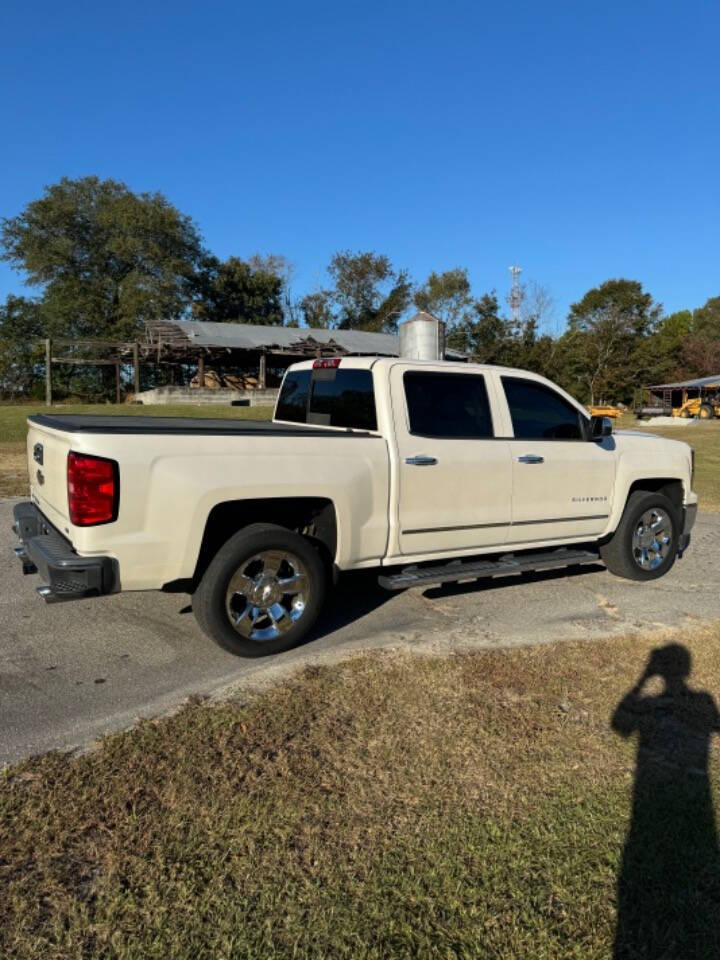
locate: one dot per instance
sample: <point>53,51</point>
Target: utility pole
<point>136,367</point>
<point>48,372</point>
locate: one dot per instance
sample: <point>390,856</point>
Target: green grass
<point>474,806</point>
<point>13,429</point>
<point>13,417</point>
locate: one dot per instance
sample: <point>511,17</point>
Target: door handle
<point>421,461</point>
<point>531,458</point>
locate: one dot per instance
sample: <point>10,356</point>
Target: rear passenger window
<point>293,400</point>
<point>329,398</point>
<point>447,405</point>
<point>539,413</point>
<point>346,399</point>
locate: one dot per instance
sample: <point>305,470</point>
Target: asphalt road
<point>71,672</point>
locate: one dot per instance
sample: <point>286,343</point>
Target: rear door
<point>454,477</point>
<point>562,483</point>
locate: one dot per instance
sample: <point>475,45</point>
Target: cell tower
<point>516,295</point>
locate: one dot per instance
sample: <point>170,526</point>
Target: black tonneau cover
<point>92,423</point>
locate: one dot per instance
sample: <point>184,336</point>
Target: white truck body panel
<point>170,484</point>
<point>478,498</point>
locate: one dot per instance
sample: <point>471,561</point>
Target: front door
<point>562,482</point>
<point>454,483</point>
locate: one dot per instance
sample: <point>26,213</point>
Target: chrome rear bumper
<point>44,550</point>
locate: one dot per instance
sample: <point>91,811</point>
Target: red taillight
<point>93,489</point>
<point>326,363</point>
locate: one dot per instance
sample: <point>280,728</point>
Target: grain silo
<point>422,337</point>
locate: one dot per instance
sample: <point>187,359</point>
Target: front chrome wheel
<point>267,595</point>
<point>652,539</point>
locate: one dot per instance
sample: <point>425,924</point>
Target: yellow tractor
<point>690,399</point>
<point>704,408</point>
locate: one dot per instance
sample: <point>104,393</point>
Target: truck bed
<point>191,426</point>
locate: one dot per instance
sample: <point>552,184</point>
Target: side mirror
<point>600,427</point>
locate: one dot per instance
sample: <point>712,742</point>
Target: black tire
<point>618,553</point>
<point>210,598</point>
<point>706,411</point>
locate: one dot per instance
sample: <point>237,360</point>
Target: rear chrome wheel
<point>262,592</point>
<point>267,595</point>
<point>652,539</point>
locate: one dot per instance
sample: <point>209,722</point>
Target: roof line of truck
<point>369,362</point>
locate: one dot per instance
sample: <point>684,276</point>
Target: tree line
<point>106,261</point>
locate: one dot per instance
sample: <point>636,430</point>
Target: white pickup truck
<point>430,472</point>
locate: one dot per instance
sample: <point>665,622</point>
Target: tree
<point>538,307</point>
<point>316,310</point>
<point>477,327</point>
<point>393,306</point>
<point>368,293</point>
<point>107,259</point>
<point>606,330</point>
<point>483,332</point>
<point>706,320</point>
<point>700,350</point>
<point>21,357</point>
<point>279,265</point>
<point>236,291</point>
<point>702,357</point>
<point>447,296</point>
<point>544,356</point>
<point>666,346</point>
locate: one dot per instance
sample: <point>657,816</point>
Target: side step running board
<point>505,565</point>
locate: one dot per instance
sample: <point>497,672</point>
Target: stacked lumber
<point>213,380</point>
<point>240,381</point>
<point>233,381</point>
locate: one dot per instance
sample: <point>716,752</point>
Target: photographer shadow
<point>669,884</point>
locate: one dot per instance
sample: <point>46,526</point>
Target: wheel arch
<point>671,487</point>
<point>313,517</point>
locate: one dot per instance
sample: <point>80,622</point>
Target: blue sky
<point>580,140</point>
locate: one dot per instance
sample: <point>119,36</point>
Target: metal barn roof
<point>247,336</point>
<point>699,382</point>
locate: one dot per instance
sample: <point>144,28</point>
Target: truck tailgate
<point>47,452</point>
